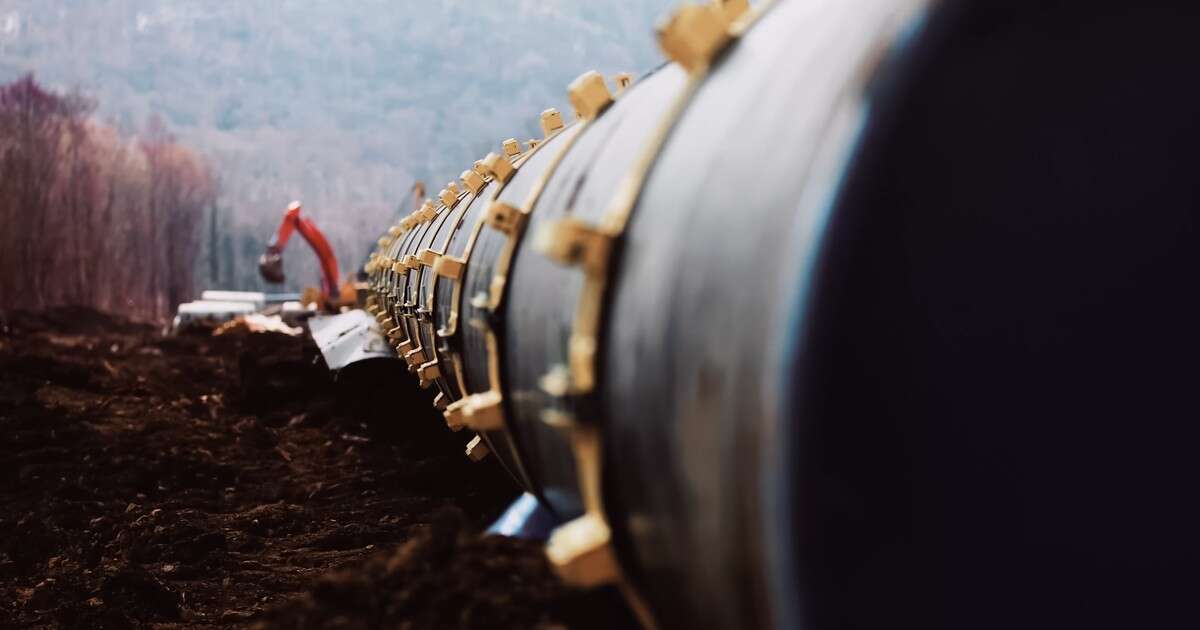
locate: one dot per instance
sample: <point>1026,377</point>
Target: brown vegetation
<point>89,216</point>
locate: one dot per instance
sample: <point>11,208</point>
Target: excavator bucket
<point>270,266</point>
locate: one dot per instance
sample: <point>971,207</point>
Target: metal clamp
<point>551,122</point>
<point>484,412</point>
<point>428,257</point>
<point>428,373</point>
<point>477,449</point>
<point>472,181</point>
<point>512,148</point>
<point>571,241</point>
<point>502,217</point>
<point>453,413</point>
<point>694,34</point>
<point>589,95</point>
<point>449,267</point>
<point>499,167</point>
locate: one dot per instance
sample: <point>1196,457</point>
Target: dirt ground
<point>197,481</point>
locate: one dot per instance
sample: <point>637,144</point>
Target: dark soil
<point>178,482</point>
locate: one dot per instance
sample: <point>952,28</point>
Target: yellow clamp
<point>499,167</point>
<point>414,358</point>
<point>694,34</point>
<point>477,449</point>
<point>428,373</point>
<point>571,241</point>
<point>427,257</point>
<point>733,9</point>
<point>472,181</point>
<point>589,95</point>
<point>427,211</point>
<point>453,413</point>
<point>449,267</point>
<point>503,217</point>
<point>581,552</point>
<point>512,148</point>
<point>483,412</point>
<point>551,122</point>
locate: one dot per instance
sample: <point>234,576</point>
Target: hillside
<point>339,104</point>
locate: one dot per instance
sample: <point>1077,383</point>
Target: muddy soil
<point>196,481</point>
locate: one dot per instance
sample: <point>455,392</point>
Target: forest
<point>339,105</point>
<point>92,216</point>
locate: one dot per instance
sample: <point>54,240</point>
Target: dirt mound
<point>69,320</point>
<point>190,481</point>
<point>445,576</point>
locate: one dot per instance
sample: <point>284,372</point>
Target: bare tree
<point>88,217</point>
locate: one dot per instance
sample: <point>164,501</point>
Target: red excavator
<point>332,294</point>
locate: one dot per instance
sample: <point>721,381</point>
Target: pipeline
<point>810,324</point>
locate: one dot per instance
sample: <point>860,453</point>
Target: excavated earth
<point>149,481</point>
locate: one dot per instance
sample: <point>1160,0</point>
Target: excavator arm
<point>270,264</point>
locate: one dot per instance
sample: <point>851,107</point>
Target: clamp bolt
<point>623,81</point>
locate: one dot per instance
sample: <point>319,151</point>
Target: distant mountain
<point>339,103</point>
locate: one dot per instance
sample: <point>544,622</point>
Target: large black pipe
<point>866,314</point>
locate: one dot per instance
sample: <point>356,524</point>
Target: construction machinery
<point>852,314</point>
<point>217,306</point>
<point>332,293</point>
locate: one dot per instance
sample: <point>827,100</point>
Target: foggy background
<point>340,104</point>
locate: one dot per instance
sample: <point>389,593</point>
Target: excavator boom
<point>270,264</point>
